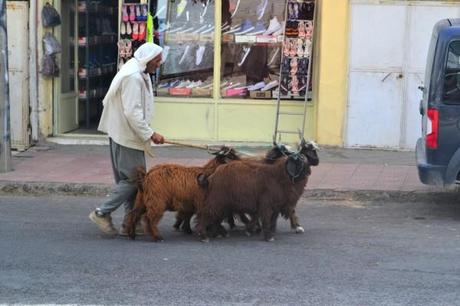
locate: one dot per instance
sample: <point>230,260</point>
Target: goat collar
<point>297,167</point>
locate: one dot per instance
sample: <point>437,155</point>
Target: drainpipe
<point>5,141</point>
<point>33,69</point>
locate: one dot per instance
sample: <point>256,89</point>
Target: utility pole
<point>5,141</point>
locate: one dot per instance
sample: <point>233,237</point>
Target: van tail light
<point>432,130</point>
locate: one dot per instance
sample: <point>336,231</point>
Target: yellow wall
<point>332,77</point>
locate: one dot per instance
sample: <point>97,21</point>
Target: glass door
<point>66,102</point>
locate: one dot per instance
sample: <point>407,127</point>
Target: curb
<point>85,189</point>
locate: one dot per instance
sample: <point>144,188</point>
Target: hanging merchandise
<point>136,27</point>
<point>51,45</point>
<point>296,62</point>
<point>50,67</point>
<point>50,16</point>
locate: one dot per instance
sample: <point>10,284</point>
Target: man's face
<point>153,64</point>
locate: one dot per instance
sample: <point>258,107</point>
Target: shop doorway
<point>88,63</point>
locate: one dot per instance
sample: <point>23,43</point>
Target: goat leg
<point>179,221</point>
<point>295,223</point>
<point>186,228</point>
<point>267,217</point>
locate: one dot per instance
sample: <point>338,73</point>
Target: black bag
<point>50,17</point>
<point>49,66</point>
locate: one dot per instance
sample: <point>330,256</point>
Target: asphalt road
<point>352,253</point>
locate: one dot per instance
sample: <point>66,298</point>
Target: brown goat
<point>262,190</point>
<point>170,187</point>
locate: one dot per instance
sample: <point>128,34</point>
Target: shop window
<point>452,74</point>
<point>252,40</point>
<point>186,32</point>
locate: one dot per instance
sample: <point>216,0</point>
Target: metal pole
<point>5,145</point>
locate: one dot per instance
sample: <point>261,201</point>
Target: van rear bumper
<point>429,174</point>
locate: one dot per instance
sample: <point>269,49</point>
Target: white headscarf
<point>144,54</point>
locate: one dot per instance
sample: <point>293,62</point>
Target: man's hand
<point>157,138</point>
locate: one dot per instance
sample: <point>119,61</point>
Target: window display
<point>186,32</point>
<point>253,64</point>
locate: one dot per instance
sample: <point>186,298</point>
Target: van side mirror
<point>421,87</point>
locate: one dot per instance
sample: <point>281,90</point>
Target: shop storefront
<point>226,64</point>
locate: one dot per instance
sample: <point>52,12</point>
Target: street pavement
<point>352,253</point>
<point>84,169</point>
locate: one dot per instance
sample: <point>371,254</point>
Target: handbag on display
<point>50,16</point>
<point>51,45</point>
<point>50,67</point>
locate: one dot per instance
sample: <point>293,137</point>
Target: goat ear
<point>202,180</point>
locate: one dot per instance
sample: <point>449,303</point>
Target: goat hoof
<point>248,233</point>
<point>158,239</point>
<point>299,230</point>
<point>270,239</point>
<point>205,240</point>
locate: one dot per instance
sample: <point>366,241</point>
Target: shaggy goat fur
<point>169,187</point>
<point>259,189</point>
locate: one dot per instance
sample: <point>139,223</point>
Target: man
<point>128,109</point>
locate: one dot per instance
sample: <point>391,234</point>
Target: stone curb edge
<point>86,189</point>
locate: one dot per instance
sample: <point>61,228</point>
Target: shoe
<point>256,86</point>
<point>245,27</point>
<point>261,9</point>
<point>164,55</point>
<point>124,13</point>
<point>233,29</point>
<point>273,26</point>
<point>293,51</point>
<point>185,54</point>
<point>301,27</point>
<point>123,30</point>
<point>307,48</point>
<point>309,10</point>
<point>270,85</point>
<point>296,10</point>
<point>199,55</point>
<point>281,29</point>
<point>144,12</point>
<point>300,49</point>
<point>104,223</point>
<point>291,10</point>
<point>308,29</point>
<point>286,65</point>
<point>259,29</point>
<point>181,8</point>
<point>294,66</point>
<point>236,8</point>
<point>275,54</point>
<point>129,30</point>
<point>142,31</point>
<point>246,51</point>
<point>132,12</point>
<point>287,47</point>
<point>135,34</point>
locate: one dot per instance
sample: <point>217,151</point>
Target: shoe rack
<point>97,63</point>
<point>296,60</point>
<point>132,21</point>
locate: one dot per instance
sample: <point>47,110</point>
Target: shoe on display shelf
<point>281,29</point>
<point>181,8</point>
<point>199,55</point>
<point>270,85</point>
<point>257,86</point>
<point>259,28</point>
<point>245,54</point>
<point>260,9</point>
<point>273,26</point>
<point>245,27</point>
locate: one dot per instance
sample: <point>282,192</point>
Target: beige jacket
<point>127,116</point>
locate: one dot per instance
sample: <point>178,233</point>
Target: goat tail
<point>140,177</point>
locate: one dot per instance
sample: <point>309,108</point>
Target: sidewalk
<point>341,172</point>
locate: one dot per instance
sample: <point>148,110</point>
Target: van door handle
<point>421,109</point>
<point>421,87</point>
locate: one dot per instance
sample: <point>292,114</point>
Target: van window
<point>452,74</point>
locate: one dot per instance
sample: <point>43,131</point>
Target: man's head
<point>149,56</point>
<point>153,64</point>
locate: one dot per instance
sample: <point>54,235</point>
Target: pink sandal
<point>132,12</point>
<point>287,47</point>
<point>124,13</point>
<point>293,51</point>
<point>294,66</point>
<point>301,27</point>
